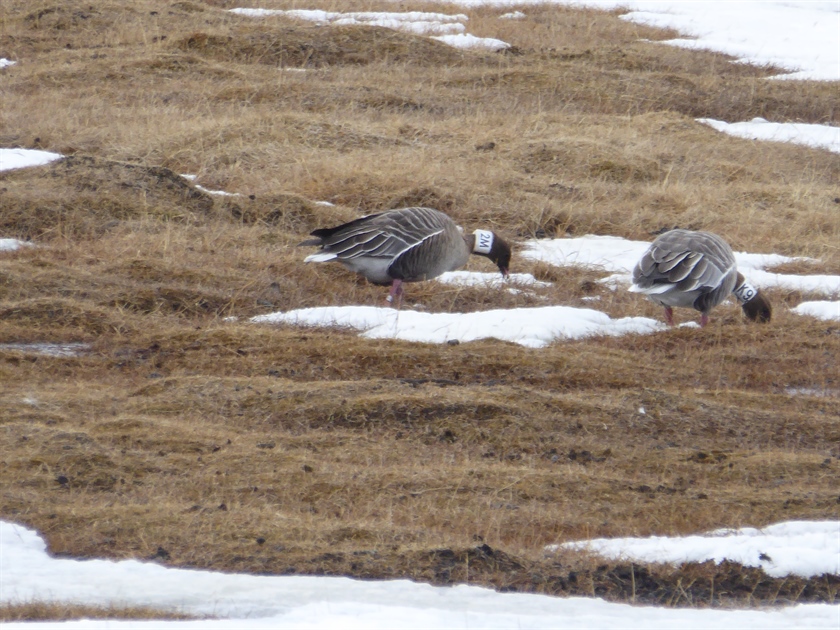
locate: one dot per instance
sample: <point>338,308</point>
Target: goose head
<point>489,244</point>
<point>758,309</point>
<point>755,306</point>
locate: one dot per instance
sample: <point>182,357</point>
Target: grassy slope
<point>207,443</point>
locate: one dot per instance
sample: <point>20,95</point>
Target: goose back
<point>686,269</point>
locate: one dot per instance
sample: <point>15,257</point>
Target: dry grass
<point>202,442</point>
<point>43,611</point>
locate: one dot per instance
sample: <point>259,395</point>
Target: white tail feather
<point>653,290</point>
<point>320,257</point>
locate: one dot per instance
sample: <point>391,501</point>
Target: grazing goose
<point>405,245</point>
<point>695,270</point>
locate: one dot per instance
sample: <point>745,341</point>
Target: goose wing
<point>387,235</point>
<point>684,261</point>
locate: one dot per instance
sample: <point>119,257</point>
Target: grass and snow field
<point>798,35</point>
<point>803,37</point>
<point>540,326</point>
<point>531,327</point>
<point>30,574</point>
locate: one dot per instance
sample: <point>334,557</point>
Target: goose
<point>695,270</point>
<point>405,245</point>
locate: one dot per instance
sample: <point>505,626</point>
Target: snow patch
<point>818,136</point>
<point>257,602</point>
<point>446,28</point>
<point>467,41</point>
<point>530,327</point>
<point>820,309</point>
<point>489,280</point>
<point>23,158</point>
<point>804,548</point>
<point>48,349</point>
<point>12,244</point>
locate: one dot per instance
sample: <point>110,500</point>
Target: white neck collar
<point>483,242</point>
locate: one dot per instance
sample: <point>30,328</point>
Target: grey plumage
<point>405,245</point>
<point>695,270</point>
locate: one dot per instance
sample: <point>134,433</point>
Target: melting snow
<point>802,36</point>
<point>804,548</point>
<point>12,244</point>
<point>48,349</point>
<point>22,158</point>
<point>251,601</point>
<point>819,136</point>
<point>530,327</point>
<point>449,29</point>
<point>465,40</point>
<point>220,193</point>
<point>820,309</point>
<point>415,22</point>
<point>489,280</point>
<point>799,35</point>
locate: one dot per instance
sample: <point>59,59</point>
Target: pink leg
<point>669,316</point>
<point>704,319</point>
<point>395,295</point>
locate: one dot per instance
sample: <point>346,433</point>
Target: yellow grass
<point>252,448</point>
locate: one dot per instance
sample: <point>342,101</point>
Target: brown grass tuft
<point>86,196</point>
<point>315,47</point>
